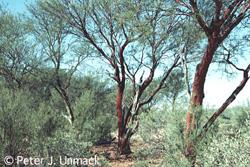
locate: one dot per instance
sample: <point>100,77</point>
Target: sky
<point>16,5</point>
<point>217,87</point>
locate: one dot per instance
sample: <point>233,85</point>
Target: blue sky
<point>16,5</point>
<point>217,87</point>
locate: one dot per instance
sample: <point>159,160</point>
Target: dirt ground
<point>109,151</point>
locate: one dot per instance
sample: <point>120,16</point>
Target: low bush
<point>16,123</point>
<point>226,144</point>
<point>95,119</point>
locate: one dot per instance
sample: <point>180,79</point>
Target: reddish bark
<point>189,119</point>
<point>124,145</point>
<point>216,32</point>
<point>119,110</point>
<point>117,37</point>
<point>123,138</point>
<point>199,82</point>
<point>224,21</point>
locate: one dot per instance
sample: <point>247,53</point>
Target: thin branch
<point>229,100</point>
<point>230,8</point>
<point>228,59</point>
<point>161,84</point>
<point>185,69</point>
<point>236,21</point>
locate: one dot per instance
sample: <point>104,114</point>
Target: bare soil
<point>109,151</point>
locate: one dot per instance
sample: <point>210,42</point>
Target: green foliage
<point>226,144</point>
<point>32,111</point>
<point>229,147</point>
<point>173,91</point>
<point>95,110</point>
<point>16,51</point>
<point>162,131</point>
<point>65,143</point>
<point>16,122</point>
<point>227,151</point>
<point>30,126</point>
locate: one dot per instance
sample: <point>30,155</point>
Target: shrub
<point>16,122</point>
<point>230,147</point>
<point>95,119</point>
<point>162,132</point>
<point>226,143</point>
<point>65,143</point>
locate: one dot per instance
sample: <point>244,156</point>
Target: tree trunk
<point>123,139</point>
<point>69,109</point>
<point>124,145</point>
<point>199,82</point>
<point>64,95</point>
<point>223,22</point>
<point>197,95</point>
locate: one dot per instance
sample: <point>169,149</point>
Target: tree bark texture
<point>223,22</point>
<point>123,138</point>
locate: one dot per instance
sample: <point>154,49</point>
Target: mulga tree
<point>135,39</point>
<point>59,54</point>
<point>16,51</point>
<point>217,19</point>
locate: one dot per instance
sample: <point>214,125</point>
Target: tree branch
<point>235,22</point>
<point>160,85</point>
<point>218,6</point>
<point>229,100</point>
<point>199,18</point>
